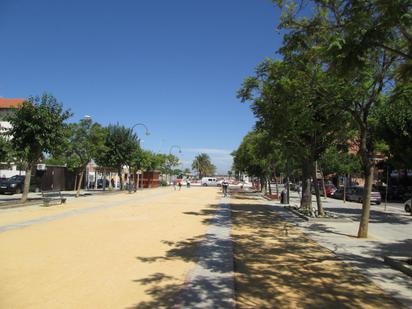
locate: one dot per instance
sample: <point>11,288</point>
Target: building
<point>7,107</point>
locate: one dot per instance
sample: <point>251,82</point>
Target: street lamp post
<point>130,180</point>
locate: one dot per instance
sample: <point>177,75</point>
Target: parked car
<point>209,181</point>
<point>329,188</point>
<point>100,183</point>
<point>355,194</point>
<point>408,206</point>
<point>15,185</point>
<point>338,193</point>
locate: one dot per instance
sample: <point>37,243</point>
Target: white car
<point>209,181</point>
<point>408,205</point>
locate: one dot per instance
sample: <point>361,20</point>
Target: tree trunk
<point>270,188</point>
<point>316,184</point>
<point>79,185</point>
<point>119,172</point>
<point>75,181</point>
<point>306,201</point>
<point>344,188</point>
<point>276,181</point>
<point>366,202</point>
<point>26,186</point>
<point>367,165</point>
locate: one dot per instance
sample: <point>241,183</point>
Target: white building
<point>7,107</point>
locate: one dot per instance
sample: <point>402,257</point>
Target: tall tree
<point>354,46</point>
<point>296,101</point>
<point>203,165</point>
<point>38,126</point>
<point>121,144</point>
<point>85,142</point>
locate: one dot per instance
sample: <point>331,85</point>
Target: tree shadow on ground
<point>209,252</point>
<point>276,266</point>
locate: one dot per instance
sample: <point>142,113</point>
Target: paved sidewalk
<point>390,233</point>
<point>211,283</point>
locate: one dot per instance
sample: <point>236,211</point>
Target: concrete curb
<point>399,263</point>
<point>310,219</point>
<point>211,283</point>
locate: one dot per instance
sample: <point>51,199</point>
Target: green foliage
<point>394,125</point>
<point>339,161</point>
<point>203,165</point>
<point>121,146</point>
<point>38,127</point>
<point>86,140</point>
<point>6,151</point>
<point>258,155</point>
<point>297,103</point>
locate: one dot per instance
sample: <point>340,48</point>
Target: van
<point>355,194</point>
<point>209,181</point>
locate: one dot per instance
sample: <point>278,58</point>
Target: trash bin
<point>283,199</point>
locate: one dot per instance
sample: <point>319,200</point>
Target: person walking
<point>225,185</point>
<point>174,184</point>
<point>180,185</point>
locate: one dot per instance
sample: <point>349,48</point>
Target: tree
<point>85,142</point>
<point>296,101</point>
<point>38,126</point>
<point>354,45</point>
<point>259,156</point>
<point>121,144</point>
<point>394,125</point>
<point>203,165</point>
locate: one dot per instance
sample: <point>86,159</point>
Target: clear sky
<point>173,65</point>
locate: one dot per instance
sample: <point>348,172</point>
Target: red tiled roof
<point>10,103</point>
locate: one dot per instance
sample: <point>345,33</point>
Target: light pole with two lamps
<point>147,134</point>
<point>170,152</point>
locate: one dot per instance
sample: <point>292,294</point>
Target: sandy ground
<point>276,266</point>
<point>114,251</point>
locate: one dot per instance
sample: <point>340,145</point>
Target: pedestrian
<point>112,182</point>
<point>225,185</point>
<point>180,185</point>
<point>188,183</point>
<point>174,184</point>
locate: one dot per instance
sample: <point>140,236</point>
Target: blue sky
<point>173,65</point>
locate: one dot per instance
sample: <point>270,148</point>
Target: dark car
<point>100,183</point>
<point>339,193</point>
<point>15,185</point>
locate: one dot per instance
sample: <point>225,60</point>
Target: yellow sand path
<point>107,258</point>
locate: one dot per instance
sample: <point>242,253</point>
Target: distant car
<point>15,185</point>
<point>100,183</point>
<point>209,181</point>
<point>408,206</point>
<point>355,194</point>
<point>329,188</point>
<point>338,193</point>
